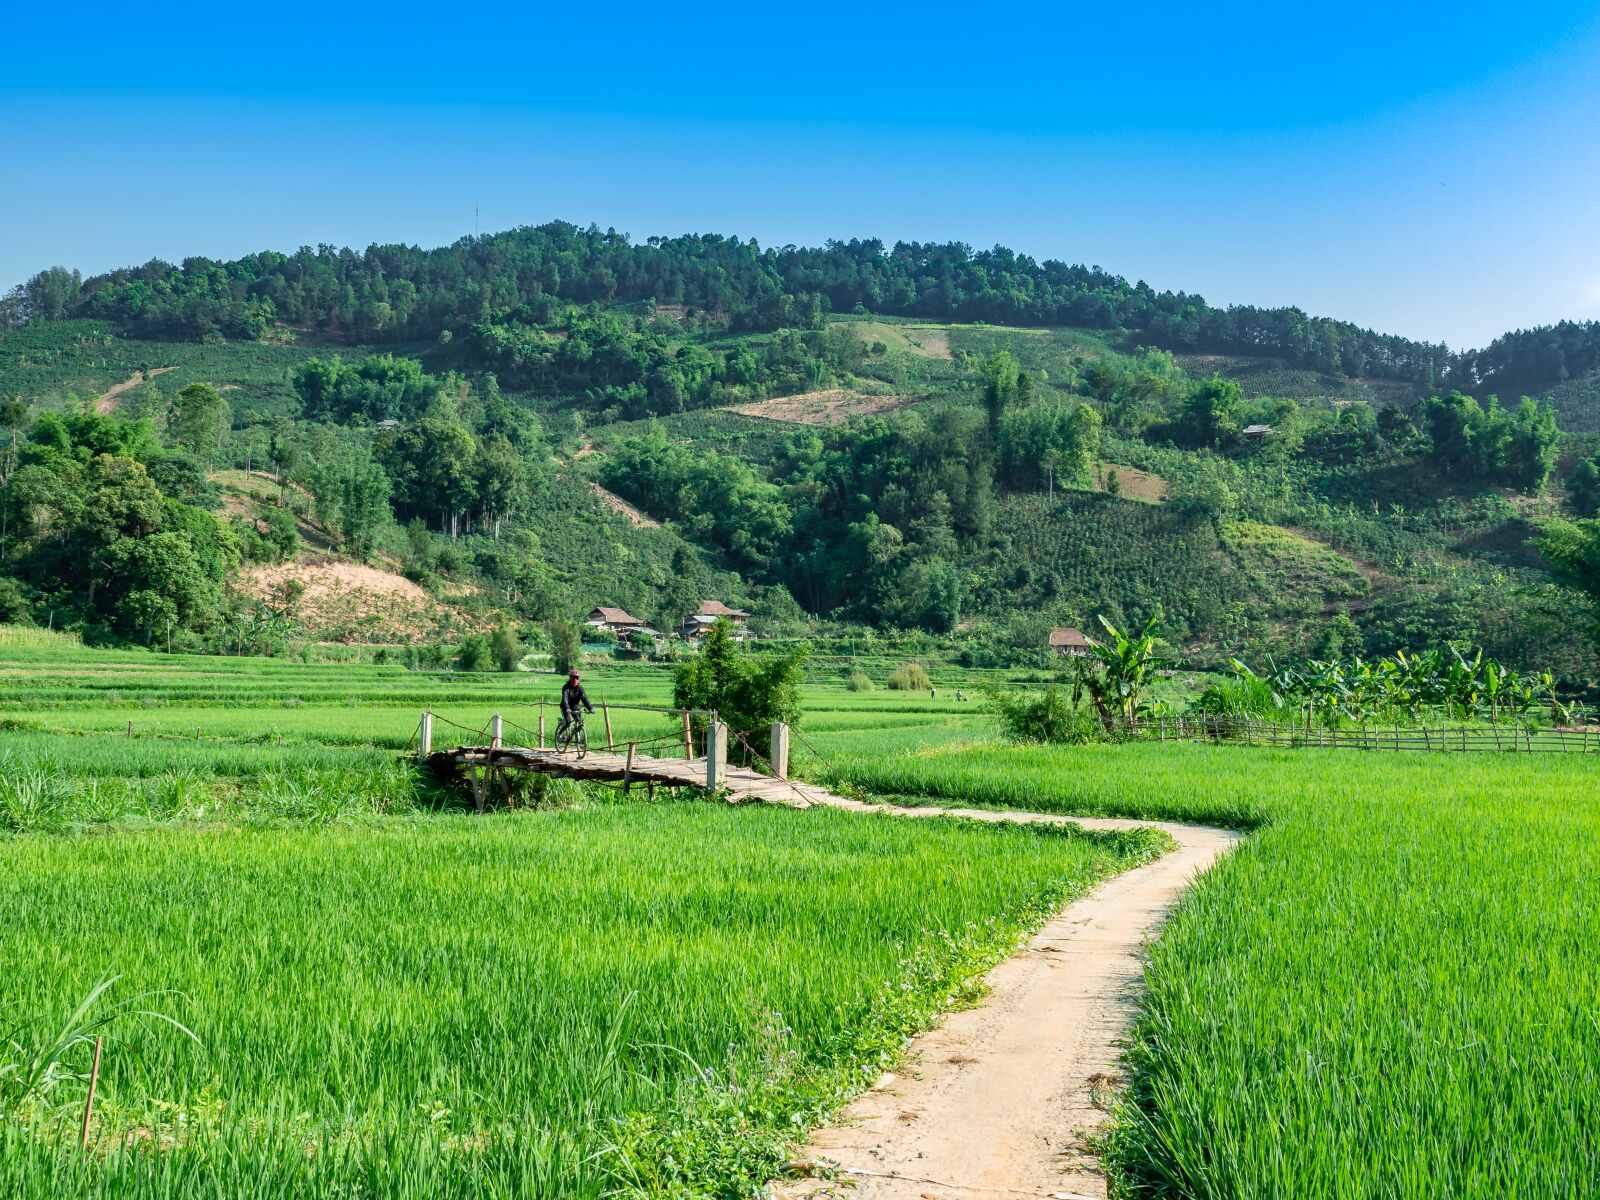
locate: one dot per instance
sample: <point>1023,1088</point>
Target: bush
<point>505,648</point>
<point>1047,716</point>
<point>912,677</point>
<point>474,653</point>
<point>860,681</point>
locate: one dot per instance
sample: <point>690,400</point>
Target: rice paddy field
<point>1389,989</point>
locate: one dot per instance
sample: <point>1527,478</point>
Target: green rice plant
<point>429,1006</point>
<point>33,1068</point>
<point>1376,995</point>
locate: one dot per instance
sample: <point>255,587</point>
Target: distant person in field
<point>573,697</point>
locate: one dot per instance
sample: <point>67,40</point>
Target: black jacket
<point>573,695</point>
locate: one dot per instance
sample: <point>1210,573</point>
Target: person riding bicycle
<point>573,697</point>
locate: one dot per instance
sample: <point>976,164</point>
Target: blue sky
<point>1428,170</point>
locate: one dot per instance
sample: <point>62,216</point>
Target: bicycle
<point>571,735</point>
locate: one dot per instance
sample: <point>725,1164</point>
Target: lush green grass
<point>1384,992</point>
<point>551,1004</point>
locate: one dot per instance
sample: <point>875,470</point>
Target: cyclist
<point>573,697</point>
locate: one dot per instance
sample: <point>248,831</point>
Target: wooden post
<point>130,728</point>
<point>88,1105</point>
<point>716,754</point>
<point>627,769</point>
<point>780,750</point>
<point>477,788</point>
<point>496,732</point>
<point>688,737</point>
<point>605,710</point>
<point>425,737</point>
<point>541,724</point>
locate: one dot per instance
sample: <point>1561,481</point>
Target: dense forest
<point>528,424</point>
<point>400,293</point>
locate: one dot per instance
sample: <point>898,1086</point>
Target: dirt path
<point>998,1099</point>
<point>108,399</point>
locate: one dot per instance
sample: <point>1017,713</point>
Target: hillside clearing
<point>924,341</point>
<point>618,505</point>
<point>348,602</point>
<point>833,406</point>
<point>1132,483</point>
<point>108,399</point>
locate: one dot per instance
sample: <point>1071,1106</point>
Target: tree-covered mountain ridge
<point>396,293</point>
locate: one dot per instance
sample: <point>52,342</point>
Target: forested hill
<point>940,450</point>
<point>390,294</point>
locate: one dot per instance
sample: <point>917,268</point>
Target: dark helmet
<point>573,675</point>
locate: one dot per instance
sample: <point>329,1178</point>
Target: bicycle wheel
<point>580,740</point>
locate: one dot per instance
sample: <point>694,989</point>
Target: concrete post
<point>780,750</point>
<point>716,755</point>
<point>425,737</point>
<point>496,732</point>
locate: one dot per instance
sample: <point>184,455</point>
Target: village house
<point>1071,642</point>
<point>696,624</point>
<point>618,621</point>
<point>1257,433</point>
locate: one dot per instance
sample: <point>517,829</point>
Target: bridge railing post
<point>779,758</point>
<point>716,754</point>
<point>425,736</point>
<point>496,732</point>
<point>688,737</point>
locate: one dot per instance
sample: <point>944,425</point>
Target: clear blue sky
<point>1429,170</point>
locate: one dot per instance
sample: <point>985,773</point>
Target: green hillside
<point>513,430</point>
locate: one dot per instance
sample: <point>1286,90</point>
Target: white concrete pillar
<point>425,736</point>
<point>496,728</point>
<point>780,750</point>
<point>716,755</point>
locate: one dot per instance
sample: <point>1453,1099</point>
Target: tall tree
<point>200,418</point>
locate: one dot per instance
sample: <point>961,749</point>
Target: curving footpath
<point>998,1100</point>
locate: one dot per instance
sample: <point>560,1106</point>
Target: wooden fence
<point>1504,738</point>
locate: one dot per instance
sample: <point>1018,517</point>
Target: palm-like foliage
<point>1413,685</point>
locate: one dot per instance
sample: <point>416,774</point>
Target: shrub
<point>860,681</point>
<point>474,653</point>
<point>1047,716</point>
<point>505,648</point>
<point>912,677</point>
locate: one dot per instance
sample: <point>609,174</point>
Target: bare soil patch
<point>835,406</point>
<point>930,343</point>
<point>107,403</point>
<point>618,505</point>
<point>1134,483</point>
<point>348,602</point>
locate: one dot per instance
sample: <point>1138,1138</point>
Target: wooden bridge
<point>649,763</point>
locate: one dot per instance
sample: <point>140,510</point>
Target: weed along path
<point>1000,1099</point>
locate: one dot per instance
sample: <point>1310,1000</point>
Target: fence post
<point>496,732</point>
<point>605,710</point>
<point>688,737</point>
<point>541,724</point>
<point>780,750</point>
<point>627,770</point>
<point>716,754</point>
<point>425,737</point>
